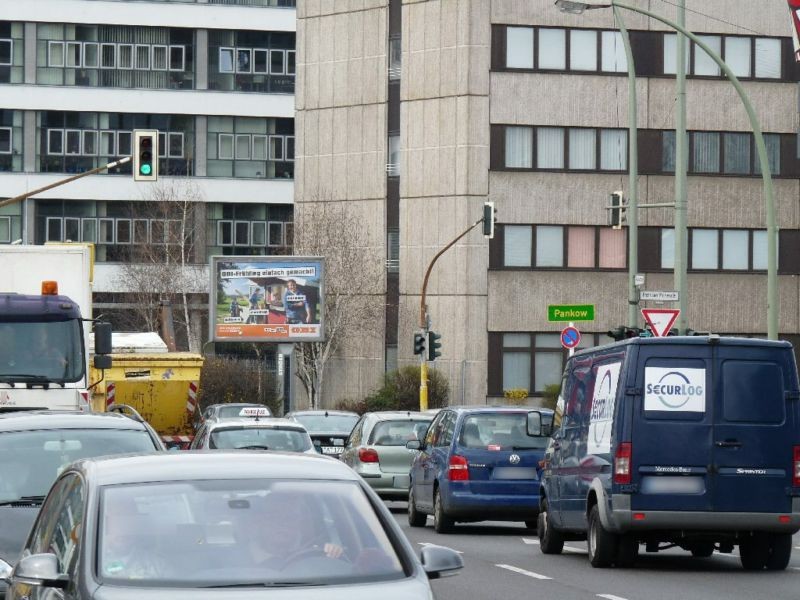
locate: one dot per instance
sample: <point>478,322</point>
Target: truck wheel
<point>415,518</point>
<point>780,551</point>
<point>754,552</point>
<point>627,551</point>
<point>441,522</point>
<point>550,540</point>
<point>702,549</point>
<point>602,543</point>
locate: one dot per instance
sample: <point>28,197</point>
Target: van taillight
<point>458,468</point>
<point>796,467</point>
<point>367,455</point>
<point>622,463</point>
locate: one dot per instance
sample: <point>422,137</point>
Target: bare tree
<point>162,269</point>
<point>327,230</point>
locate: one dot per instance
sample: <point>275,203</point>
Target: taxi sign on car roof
<point>254,411</point>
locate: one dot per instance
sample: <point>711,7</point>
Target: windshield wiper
<point>253,447</point>
<point>266,584</point>
<point>24,501</point>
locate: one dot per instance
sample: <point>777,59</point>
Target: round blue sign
<point>570,337</point>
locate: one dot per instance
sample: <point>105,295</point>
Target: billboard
<point>266,299</point>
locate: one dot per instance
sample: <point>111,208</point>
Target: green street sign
<point>557,313</point>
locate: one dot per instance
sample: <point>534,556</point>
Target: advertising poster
<point>266,299</point>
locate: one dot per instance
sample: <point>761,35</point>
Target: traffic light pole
<point>61,182</point>
<point>423,317</point>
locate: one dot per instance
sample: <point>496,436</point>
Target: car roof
<point>322,413</point>
<point>62,419</point>
<point>394,415</point>
<point>497,409</point>
<point>691,340</point>
<point>213,464</point>
<point>237,404</point>
<point>252,422</point>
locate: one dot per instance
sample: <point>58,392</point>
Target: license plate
<point>331,450</point>
<point>514,473</point>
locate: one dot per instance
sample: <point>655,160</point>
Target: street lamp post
<point>574,7</point>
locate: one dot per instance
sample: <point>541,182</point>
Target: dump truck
<point>45,320</point>
<point>162,386</point>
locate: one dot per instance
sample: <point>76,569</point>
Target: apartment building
<point>216,78</point>
<point>416,112</point>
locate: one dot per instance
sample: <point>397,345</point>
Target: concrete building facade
<point>423,110</point>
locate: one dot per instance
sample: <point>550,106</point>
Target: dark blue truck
<point>680,441</point>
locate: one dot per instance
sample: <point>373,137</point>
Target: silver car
<point>220,525</point>
<point>377,451</point>
<point>253,434</point>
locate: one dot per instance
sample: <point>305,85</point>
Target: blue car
<point>479,464</point>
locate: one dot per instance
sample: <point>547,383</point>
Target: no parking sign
<point>570,337</point>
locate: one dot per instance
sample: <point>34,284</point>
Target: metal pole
<point>769,200</point>
<point>633,176</point>
<point>681,167</point>
<point>60,182</point>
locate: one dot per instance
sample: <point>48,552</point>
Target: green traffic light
<point>145,169</point>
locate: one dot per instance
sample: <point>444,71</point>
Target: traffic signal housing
<point>145,155</point>
<point>434,345</point>
<point>489,218</point>
<point>419,343</point>
<point>616,211</point>
<point>623,333</point>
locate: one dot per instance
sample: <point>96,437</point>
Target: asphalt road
<point>503,561</point>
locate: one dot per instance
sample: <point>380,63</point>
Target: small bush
<point>550,395</point>
<point>400,391</point>
<point>226,379</point>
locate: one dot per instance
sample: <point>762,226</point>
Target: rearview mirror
<point>102,338</point>
<point>62,445</point>
<point>534,424</point>
<point>439,561</point>
<point>40,570</point>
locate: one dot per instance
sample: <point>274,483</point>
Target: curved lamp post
<point>574,7</point>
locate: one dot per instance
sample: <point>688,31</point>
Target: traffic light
<point>434,345</point>
<point>489,218</point>
<point>419,343</point>
<point>145,155</point>
<point>623,333</point>
<point>616,211</point>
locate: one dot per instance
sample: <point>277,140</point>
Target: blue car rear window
<point>506,430</point>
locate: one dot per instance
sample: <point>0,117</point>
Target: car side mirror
<point>414,445</point>
<point>40,570</point>
<point>534,425</point>
<point>102,338</point>
<point>439,561</point>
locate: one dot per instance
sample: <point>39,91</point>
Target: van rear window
<point>753,392</point>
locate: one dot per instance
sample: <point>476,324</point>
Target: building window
<point>519,47</point>
<point>747,57</point>
<point>705,245</point>
<point>518,245</point>
<point>519,147</point>
<point>250,147</point>
<point>251,61</point>
<point>731,153</point>
<point>549,148</point>
<point>5,230</point>
<point>549,246</point>
<point>531,361</point>
<point>736,147</point>
<point>6,52</point>
<point>583,50</point>
<point>552,49</point>
<point>6,140</point>
<point>248,229</point>
<point>395,58</point>
<point>12,48</point>
<point>614,58</point>
<point>582,149</point>
<point>393,166</point>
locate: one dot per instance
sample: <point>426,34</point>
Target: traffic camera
<point>434,345</point>
<point>616,211</point>
<point>145,155</point>
<point>419,343</point>
<point>489,219</point>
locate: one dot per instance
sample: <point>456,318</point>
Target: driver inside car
<point>288,529</point>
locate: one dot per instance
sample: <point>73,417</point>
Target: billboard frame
<point>264,262</point>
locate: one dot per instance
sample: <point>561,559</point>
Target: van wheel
<point>702,549</point>
<point>754,552</point>
<point>550,540</point>
<point>602,543</point>
<point>780,551</point>
<point>627,551</point>
<point>415,518</point>
<point>441,522</point>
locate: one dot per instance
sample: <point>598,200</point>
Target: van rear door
<point>754,428</point>
<point>672,427</point>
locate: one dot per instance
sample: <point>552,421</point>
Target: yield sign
<point>660,320</point>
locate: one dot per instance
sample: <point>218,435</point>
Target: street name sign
<point>570,312</point>
<point>659,296</point>
<point>660,320</point>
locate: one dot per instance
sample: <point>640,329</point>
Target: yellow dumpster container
<point>162,387</point>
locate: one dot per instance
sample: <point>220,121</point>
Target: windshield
<point>30,461</point>
<point>233,412</point>
<point>287,440</point>
<point>331,423</point>
<point>397,433</point>
<point>51,350</point>
<point>217,533</point>
<point>506,430</point>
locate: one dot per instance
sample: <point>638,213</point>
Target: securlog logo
<point>674,390</point>
<point>603,407</point>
